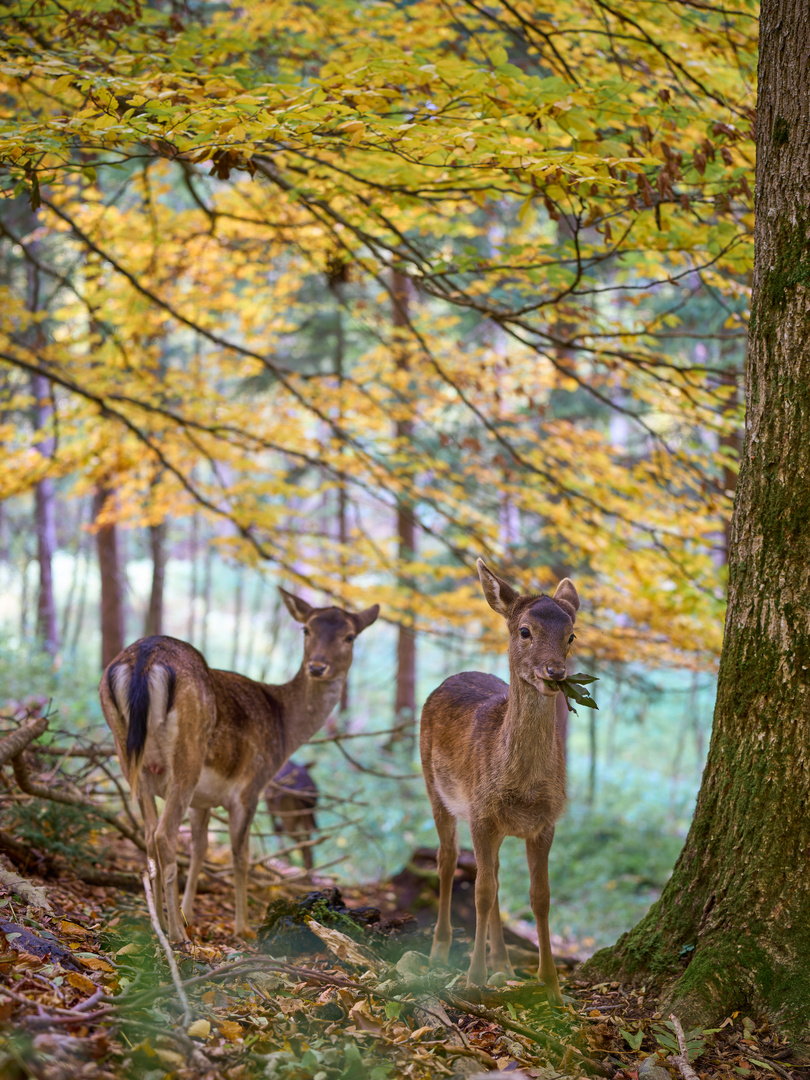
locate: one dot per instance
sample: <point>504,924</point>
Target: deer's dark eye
<point>306,631</point>
<point>525,632</point>
<point>571,638</point>
<point>350,637</point>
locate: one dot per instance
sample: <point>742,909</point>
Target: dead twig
<point>153,915</point>
<point>681,1060</point>
<point>16,742</point>
<point>31,787</point>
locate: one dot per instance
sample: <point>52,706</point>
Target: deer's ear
<point>499,595</point>
<point>567,597</point>
<point>362,619</point>
<point>298,608</point>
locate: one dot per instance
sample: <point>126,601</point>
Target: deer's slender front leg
<point>486,841</point>
<point>537,849</point>
<point>446,860</point>
<point>199,845</point>
<point>240,818</point>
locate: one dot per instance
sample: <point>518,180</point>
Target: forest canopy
<point>385,287</point>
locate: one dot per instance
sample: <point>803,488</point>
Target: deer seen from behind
<point>491,754</point>
<point>200,738</point>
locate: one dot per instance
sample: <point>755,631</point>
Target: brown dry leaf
<point>421,1031</point>
<point>81,982</point>
<point>230,1030</point>
<point>6,1009</point>
<point>72,928</point>
<point>347,998</point>
<point>364,1019</point>
<point>200,1029</point>
<point>95,963</point>
<point>129,948</point>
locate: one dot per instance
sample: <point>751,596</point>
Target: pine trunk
<point>732,928</point>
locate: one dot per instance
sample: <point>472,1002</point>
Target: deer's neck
<point>306,703</point>
<point>529,730</point>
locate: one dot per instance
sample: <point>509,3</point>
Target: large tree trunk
<point>112,592</point>
<point>405,701</point>
<point>732,928</point>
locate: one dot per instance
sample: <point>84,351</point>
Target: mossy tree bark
<point>732,928</point>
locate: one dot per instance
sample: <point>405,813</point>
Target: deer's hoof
<point>440,954</point>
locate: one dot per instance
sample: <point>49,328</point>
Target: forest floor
<point>326,993</point>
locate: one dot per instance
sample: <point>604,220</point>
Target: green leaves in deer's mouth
<point>572,688</point>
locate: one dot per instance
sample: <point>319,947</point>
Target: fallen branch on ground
<point>164,942</point>
<point>552,1045</point>
<point>681,1060</point>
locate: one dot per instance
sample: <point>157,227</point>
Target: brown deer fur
<point>200,738</point>
<point>491,754</point>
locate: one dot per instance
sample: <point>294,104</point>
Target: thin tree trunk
<point>237,616</point>
<point>157,546</point>
<point>732,928</point>
<point>112,592</point>
<point>405,700</point>
<point>24,598</point>
<point>70,599</point>
<point>45,490</point>
<point>82,606</point>
<point>192,600</point>
<point>207,569</point>
<point>45,503</point>
<point>254,609</point>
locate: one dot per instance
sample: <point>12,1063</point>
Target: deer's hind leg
<point>149,814</point>
<point>177,800</point>
<point>446,859</point>
<point>199,845</point>
<point>240,818</point>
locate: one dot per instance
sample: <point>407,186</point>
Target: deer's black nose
<point>316,668</point>
<point>555,672</point>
